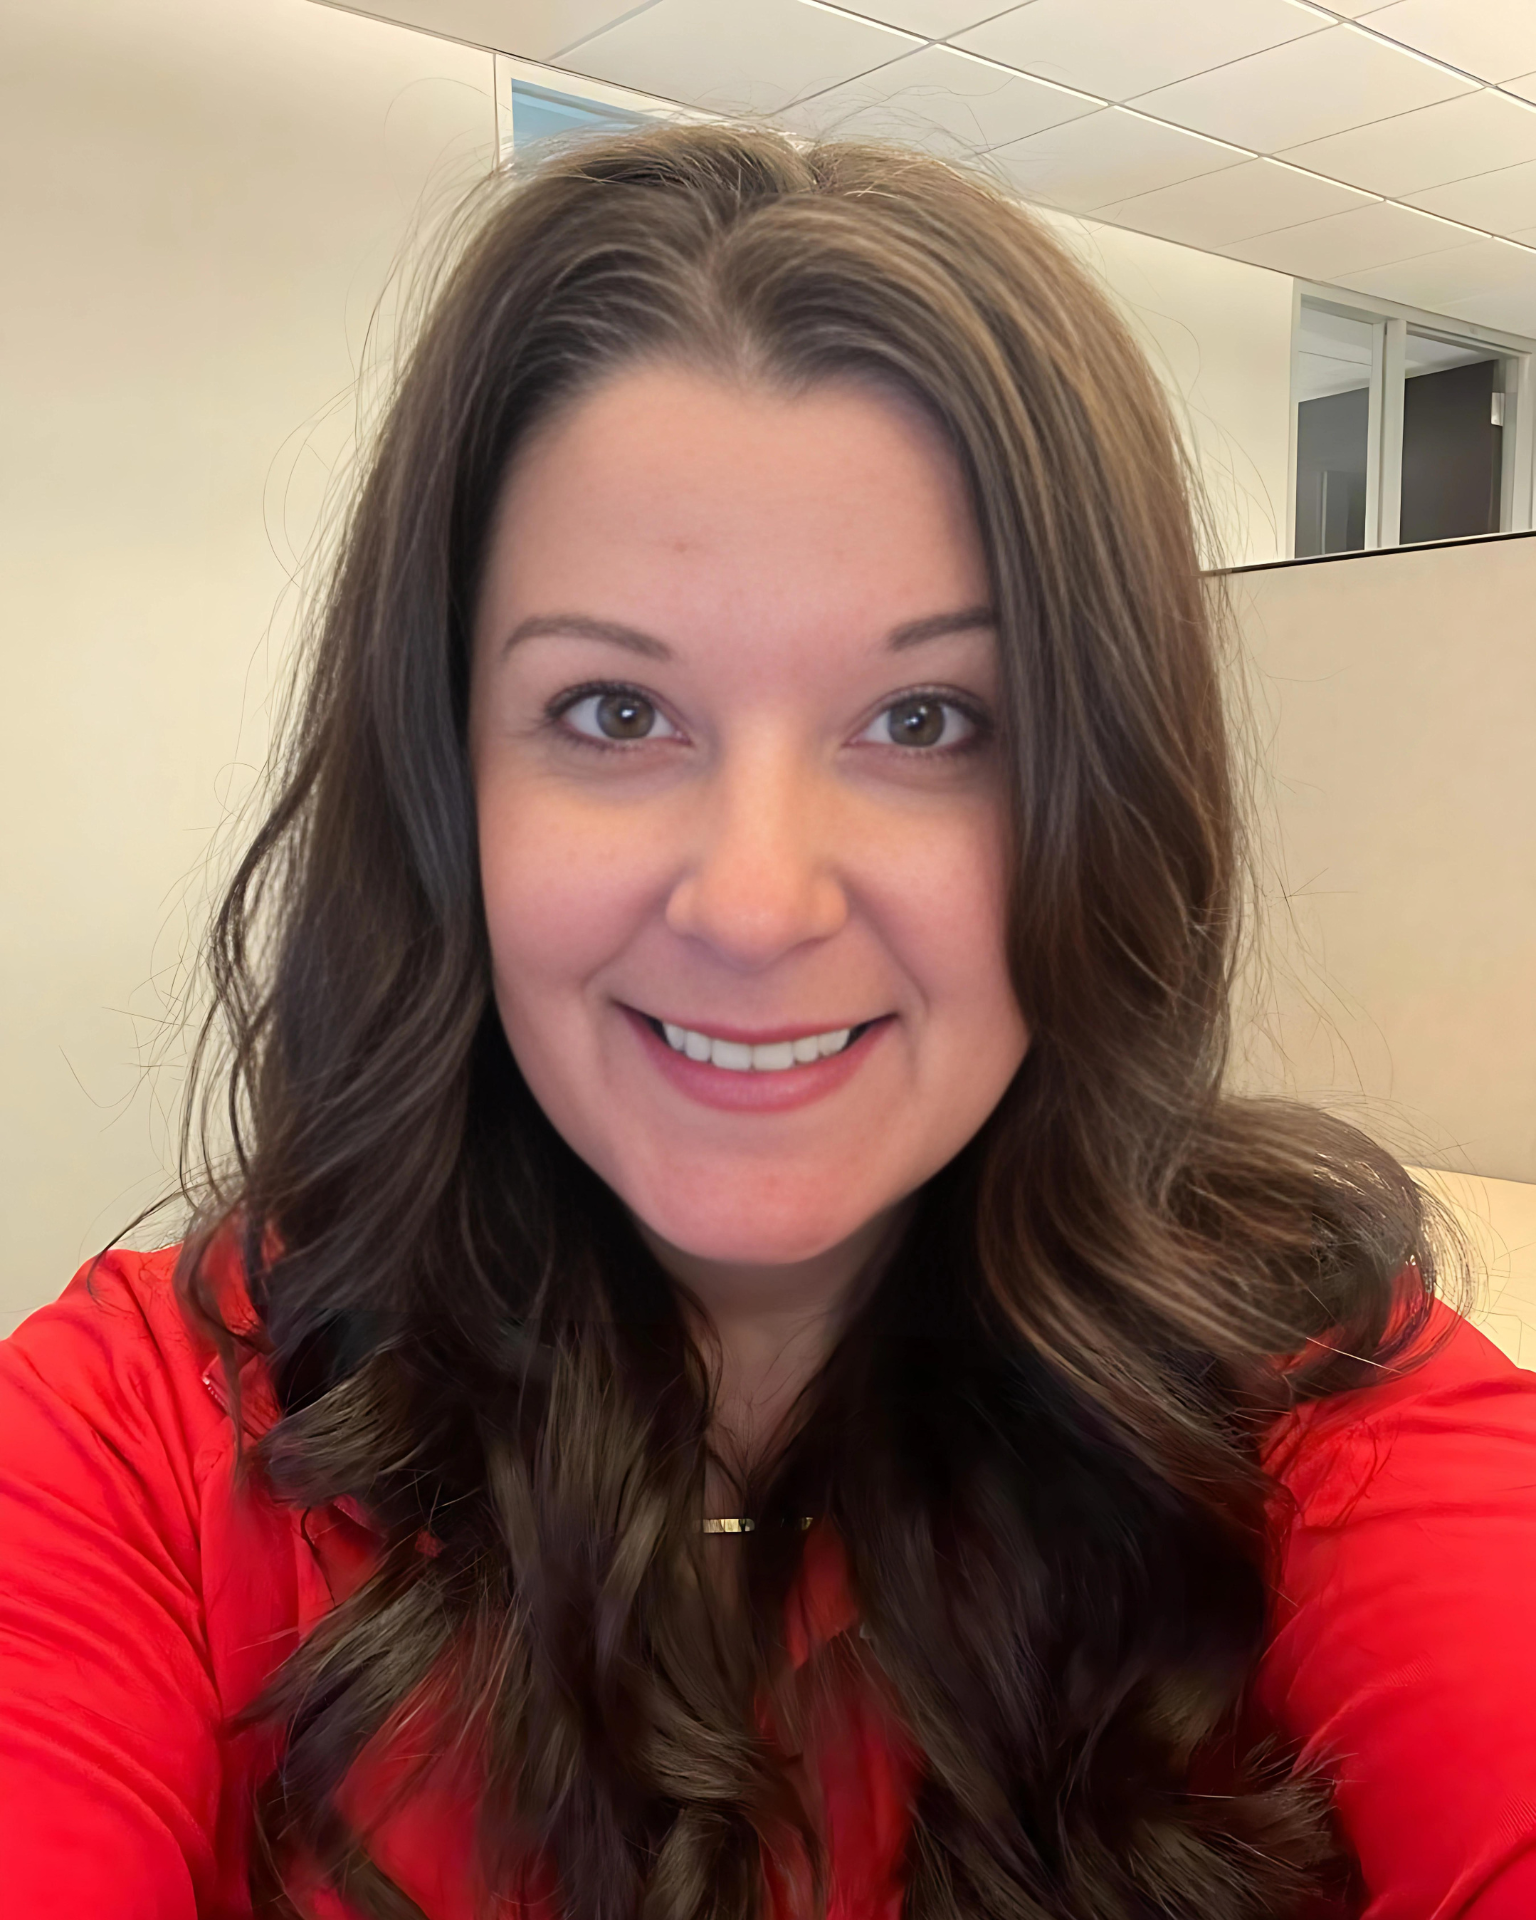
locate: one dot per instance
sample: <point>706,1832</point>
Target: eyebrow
<point>580,626</point>
<point>914,632</point>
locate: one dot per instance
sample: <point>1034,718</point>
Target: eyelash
<point>556,710</point>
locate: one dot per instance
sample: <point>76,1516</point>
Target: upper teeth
<point>737,1057</point>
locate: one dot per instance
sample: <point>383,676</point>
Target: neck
<point>769,1330</point>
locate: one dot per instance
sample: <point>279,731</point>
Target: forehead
<point>676,496</point>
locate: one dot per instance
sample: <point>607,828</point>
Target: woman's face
<point>742,828</point>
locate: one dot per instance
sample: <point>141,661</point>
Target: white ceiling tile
<point>1354,9</point>
<point>1305,90</point>
<point>1415,151</point>
<point>535,29</point>
<point>1513,309</point>
<point>934,19</point>
<point>1107,156</point>
<point>743,58</point>
<point>1493,38</point>
<point>1525,86</point>
<point>1344,243</point>
<point>1502,202</point>
<point>1122,47</point>
<point>1236,204</point>
<point>1438,281</point>
<point>940,99</point>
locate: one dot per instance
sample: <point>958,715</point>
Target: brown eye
<point>616,713</point>
<point>916,723</point>
<point>625,716</point>
<point>924,720</point>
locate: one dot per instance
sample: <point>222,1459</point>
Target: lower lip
<point>752,1092</point>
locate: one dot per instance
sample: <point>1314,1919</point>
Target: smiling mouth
<point>777,1056</point>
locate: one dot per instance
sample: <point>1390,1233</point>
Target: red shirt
<point>143,1599</point>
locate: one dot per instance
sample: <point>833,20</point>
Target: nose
<point>760,880</point>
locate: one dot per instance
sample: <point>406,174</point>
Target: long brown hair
<point>1039,1442</point>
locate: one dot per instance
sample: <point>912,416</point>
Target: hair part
<point>1101,1305</point>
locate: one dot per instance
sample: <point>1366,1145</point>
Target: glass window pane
<point>538,115</point>
<point>1453,452</point>
<point>1333,373</point>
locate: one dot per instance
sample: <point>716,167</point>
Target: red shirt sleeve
<point>111,1769</point>
<point>1404,1653</point>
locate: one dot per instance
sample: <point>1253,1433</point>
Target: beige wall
<point>1219,333</point>
<point>1396,701</point>
<point>201,202</point>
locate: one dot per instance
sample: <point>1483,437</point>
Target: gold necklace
<point>734,1523</point>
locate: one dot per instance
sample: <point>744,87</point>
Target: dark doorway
<point>1331,436</point>
<point>1452,453</point>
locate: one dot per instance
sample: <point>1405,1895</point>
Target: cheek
<point>954,919</point>
<point>947,894</point>
<point>564,890</point>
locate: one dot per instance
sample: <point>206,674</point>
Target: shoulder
<point>115,1421</point>
<point>117,1448</point>
<point>145,1600</point>
<point>117,1350</point>
<point>114,1340</point>
<point>1456,1402</point>
<point>1400,1657</point>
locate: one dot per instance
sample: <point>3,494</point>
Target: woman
<point>747,1364</point>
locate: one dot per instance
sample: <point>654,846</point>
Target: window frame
<point>1391,322</point>
<point>622,105</point>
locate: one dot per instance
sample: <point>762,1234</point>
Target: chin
<point>770,1231</point>
<point>757,1246</point>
